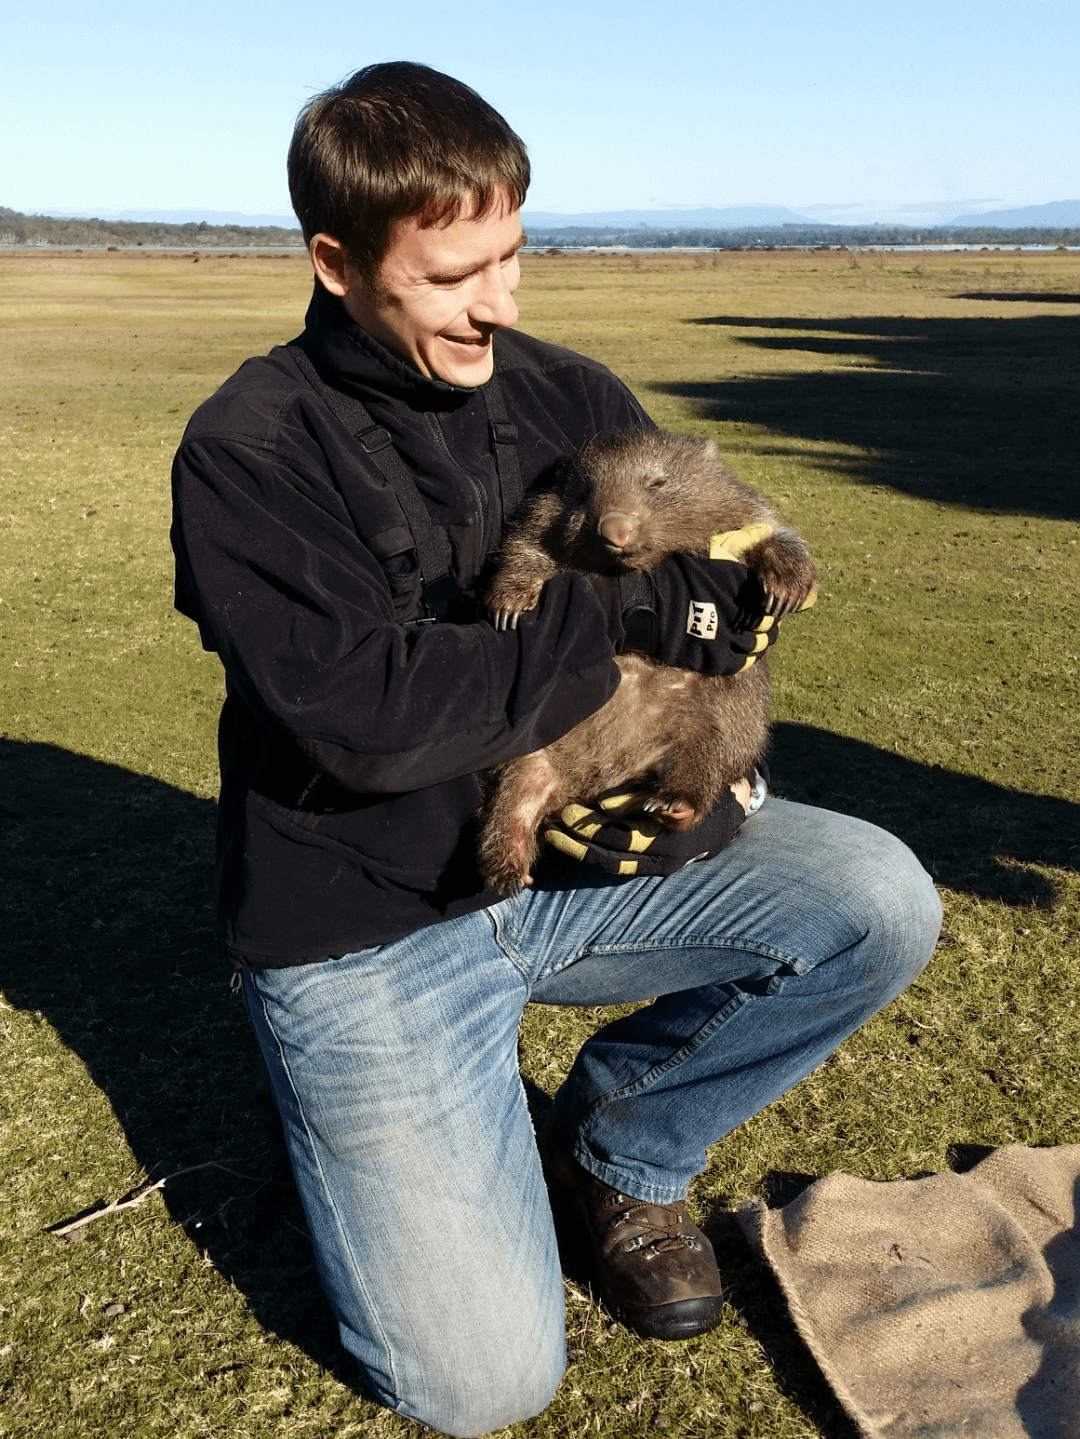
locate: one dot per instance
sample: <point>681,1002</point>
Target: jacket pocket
<point>400,564</point>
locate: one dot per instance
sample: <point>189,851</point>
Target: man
<point>336,504</point>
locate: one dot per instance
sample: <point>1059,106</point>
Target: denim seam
<point>328,1192</point>
<point>506,946</point>
<point>721,945</point>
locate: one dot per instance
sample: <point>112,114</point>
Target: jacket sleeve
<point>300,611</point>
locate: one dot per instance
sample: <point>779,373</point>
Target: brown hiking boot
<point>654,1269</point>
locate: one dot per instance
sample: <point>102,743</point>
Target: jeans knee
<point>475,1401</point>
<point>473,1371</point>
<point>931,915</point>
<point>904,908</point>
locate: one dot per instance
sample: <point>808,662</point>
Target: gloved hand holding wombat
<point>655,510</point>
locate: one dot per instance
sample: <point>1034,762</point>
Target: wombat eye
<point>655,482</point>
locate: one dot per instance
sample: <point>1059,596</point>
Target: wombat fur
<point>630,501</point>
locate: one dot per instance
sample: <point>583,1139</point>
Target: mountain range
<point>1059,214</point>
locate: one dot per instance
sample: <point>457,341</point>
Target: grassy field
<point>914,415</point>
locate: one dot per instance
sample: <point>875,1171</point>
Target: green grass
<point>925,443</point>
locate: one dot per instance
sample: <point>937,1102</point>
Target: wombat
<point>630,501</point>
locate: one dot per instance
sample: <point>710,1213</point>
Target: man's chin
<point>465,366</point>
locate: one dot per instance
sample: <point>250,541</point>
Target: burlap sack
<point>942,1306</point>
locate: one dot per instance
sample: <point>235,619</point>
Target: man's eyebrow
<point>449,276</point>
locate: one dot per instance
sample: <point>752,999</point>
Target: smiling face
<point>443,291</point>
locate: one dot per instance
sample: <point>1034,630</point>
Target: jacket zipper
<point>483,507</point>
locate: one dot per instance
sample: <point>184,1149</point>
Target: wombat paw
<point>786,573</point>
<point>507,606</point>
<point>507,878</point>
<point>674,813</point>
<point>505,863</point>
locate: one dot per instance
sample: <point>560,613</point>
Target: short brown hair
<point>395,140</point>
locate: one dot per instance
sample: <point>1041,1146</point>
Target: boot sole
<point>685,1319</point>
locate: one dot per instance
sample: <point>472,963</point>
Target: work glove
<point>694,613</point>
<point>617,836</point>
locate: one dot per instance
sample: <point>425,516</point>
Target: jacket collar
<point>347,356</point>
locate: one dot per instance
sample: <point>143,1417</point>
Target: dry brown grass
<point>925,443</point>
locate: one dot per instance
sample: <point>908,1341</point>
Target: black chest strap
<point>432,548</point>
<point>504,438</point>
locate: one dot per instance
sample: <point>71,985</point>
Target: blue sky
<point>851,109</point>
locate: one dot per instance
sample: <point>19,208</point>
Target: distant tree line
<point>33,230</point>
<point>575,237</point>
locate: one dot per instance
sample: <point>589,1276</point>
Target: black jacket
<point>351,740</point>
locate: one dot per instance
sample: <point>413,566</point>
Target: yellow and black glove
<point>617,836</point>
<point>692,612</point>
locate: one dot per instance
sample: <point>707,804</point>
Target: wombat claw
<point>679,811</point>
<point>779,605</point>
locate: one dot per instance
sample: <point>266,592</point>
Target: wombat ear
<point>709,450</point>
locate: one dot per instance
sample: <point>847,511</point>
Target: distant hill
<point>1061,214</point>
<point>96,231</point>
<point>730,217</point>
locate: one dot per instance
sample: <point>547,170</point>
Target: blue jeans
<point>395,1072</point>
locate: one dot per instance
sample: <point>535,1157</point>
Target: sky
<point>846,110</point>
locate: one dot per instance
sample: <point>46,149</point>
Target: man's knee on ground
<point>900,901</point>
<point>476,1401</point>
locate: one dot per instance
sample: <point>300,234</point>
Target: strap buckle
<point>374,439</point>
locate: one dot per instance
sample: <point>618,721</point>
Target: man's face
<point>443,292</point>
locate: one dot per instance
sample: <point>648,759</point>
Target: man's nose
<point>495,305</point>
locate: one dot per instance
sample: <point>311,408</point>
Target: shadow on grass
<point>1036,297</point>
<point>108,932</point>
<point>972,835</point>
<point>978,412</point>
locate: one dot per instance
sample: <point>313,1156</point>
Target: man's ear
<point>329,262</point>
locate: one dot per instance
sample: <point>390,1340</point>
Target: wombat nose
<point>617,528</point>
